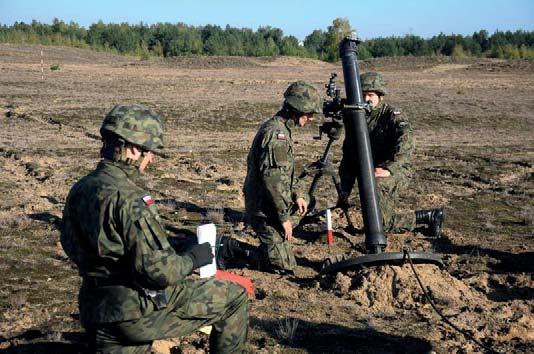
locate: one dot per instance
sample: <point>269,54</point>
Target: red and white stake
<point>42,64</point>
<point>329,232</point>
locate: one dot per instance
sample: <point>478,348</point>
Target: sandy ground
<point>475,155</point>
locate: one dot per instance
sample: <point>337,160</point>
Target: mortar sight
<point>332,110</point>
<point>333,107</point>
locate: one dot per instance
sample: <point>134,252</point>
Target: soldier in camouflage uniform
<point>271,188</point>
<point>392,147</point>
<point>134,288</point>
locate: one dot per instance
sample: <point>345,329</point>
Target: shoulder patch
<point>148,200</point>
<point>396,112</point>
<point>280,136</point>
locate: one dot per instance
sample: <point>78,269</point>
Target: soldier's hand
<point>382,172</point>
<point>288,230</point>
<point>302,207</point>
<point>200,254</point>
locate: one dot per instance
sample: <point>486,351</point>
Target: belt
<point>158,297</point>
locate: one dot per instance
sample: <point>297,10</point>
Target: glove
<point>200,255</point>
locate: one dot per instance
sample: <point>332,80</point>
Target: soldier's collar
<point>379,107</point>
<point>131,171</point>
<point>290,123</point>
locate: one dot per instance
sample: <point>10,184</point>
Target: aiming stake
<point>329,232</point>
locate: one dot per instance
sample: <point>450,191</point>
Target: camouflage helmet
<point>373,81</point>
<point>136,124</point>
<point>303,97</point>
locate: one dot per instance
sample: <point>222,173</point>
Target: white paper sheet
<point>207,233</point>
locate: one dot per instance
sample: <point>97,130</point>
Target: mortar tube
<point>358,136</point>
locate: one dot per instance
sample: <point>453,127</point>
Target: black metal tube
<point>358,136</point>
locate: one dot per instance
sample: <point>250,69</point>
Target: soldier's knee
<point>238,294</point>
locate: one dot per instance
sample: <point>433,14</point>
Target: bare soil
<point>473,122</point>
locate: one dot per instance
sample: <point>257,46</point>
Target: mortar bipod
<point>319,168</point>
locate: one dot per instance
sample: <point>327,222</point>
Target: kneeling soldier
<point>392,146</point>
<point>134,287</point>
<point>271,189</point>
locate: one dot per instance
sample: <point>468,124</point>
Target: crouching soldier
<point>392,147</point>
<point>135,287</point>
<point>271,189</point>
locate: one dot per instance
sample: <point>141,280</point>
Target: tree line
<point>166,39</point>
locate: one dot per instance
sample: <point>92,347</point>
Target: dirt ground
<point>473,122</point>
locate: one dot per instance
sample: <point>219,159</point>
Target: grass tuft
<point>287,329</point>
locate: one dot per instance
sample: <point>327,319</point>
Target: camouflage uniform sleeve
<point>156,264</point>
<point>276,167</point>
<point>300,191</point>
<point>403,145</point>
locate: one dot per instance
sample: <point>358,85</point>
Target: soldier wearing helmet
<point>271,188</point>
<point>135,287</point>
<point>392,147</point>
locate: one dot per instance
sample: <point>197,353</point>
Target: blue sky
<point>295,17</point>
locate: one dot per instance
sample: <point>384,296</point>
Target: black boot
<point>433,218</point>
<point>236,253</point>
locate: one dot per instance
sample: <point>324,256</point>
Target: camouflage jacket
<point>270,186</point>
<point>392,143</point>
<point>111,230</point>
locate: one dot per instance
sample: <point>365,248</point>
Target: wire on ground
<point>445,319</point>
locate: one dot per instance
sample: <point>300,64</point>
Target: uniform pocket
<point>281,155</point>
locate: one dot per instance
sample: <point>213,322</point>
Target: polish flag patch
<point>148,200</point>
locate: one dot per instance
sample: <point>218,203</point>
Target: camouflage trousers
<point>273,246</point>
<point>190,307</point>
<point>389,190</point>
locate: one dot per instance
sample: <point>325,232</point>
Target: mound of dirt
<point>389,288</point>
<point>225,62</point>
<point>503,66</point>
<point>411,63</point>
<point>30,54</point>
<point>296,61</point>
<point>212,62</point>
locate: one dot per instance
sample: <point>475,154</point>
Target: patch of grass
<point>215,215</point>
<point>18,301</point>
<point>286,330</point>
<point>527,213</point>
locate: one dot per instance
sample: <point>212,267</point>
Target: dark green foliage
<point>166,39</point>
<point>315,44</point>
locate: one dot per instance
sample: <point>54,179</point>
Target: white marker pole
<point>329,232</point>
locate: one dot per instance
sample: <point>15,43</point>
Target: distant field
<point>473,122</point>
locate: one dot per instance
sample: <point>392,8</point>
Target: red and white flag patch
<point>148,200</point>
<point>280,136</point>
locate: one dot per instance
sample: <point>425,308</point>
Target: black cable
<point>445,319</point>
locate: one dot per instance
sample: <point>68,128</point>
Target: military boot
<point>433,218</point>
<point>232,252</point>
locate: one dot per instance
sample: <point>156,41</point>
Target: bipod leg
<point>345,208</point>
